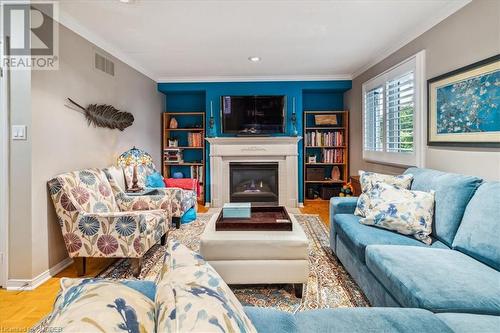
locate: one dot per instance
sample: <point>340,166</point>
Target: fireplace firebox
<point>254,182</point>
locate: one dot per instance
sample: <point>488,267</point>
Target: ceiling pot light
<point>254,59</point>
<point>126,1</point>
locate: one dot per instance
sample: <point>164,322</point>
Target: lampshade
<point>135,156</point>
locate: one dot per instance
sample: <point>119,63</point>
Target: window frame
<point>415,63</point>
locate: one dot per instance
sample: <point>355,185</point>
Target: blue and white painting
<point>469,106</point>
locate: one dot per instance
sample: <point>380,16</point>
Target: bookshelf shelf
<point>190,136</point>
<point>184,129</point>
<point>330,146</point>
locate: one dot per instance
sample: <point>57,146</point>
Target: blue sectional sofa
<point>458,273</point>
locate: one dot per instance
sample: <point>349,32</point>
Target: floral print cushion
<point>368,179</point>
<point>95,305</point>
<point>404,211</point>
<point>192,297</point>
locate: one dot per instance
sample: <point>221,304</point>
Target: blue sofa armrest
<point>339,205</point>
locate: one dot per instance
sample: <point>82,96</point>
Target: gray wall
<point>467,36</point>
<point>20,178</point>
<point>61,141</point>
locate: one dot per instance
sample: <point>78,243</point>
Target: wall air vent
<point>104,64</point>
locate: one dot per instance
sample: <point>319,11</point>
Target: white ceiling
<point>211,40</point>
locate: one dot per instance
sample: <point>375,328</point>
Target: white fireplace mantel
<point>282,150</point>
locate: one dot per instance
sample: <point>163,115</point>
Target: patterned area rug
<point>328,286</point>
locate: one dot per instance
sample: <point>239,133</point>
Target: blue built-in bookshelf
<point>196,97</point>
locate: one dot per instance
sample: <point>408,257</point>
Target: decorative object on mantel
<point>294,119</point>
<point>173,123</point>
<point>103,115</point>
<point>211,121</point>
<point>137,158</point>
<point>463,106</point>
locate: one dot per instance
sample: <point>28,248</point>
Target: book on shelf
<point>195,139</point>
<point>317,139</point>
<point>333,156</point>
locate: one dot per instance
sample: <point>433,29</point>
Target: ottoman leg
<point>163,239</point>
<point>177,221</point>
<point>298,288</point>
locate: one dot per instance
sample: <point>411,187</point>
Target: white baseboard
<point>27,284</point>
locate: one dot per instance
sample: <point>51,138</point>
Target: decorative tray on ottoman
<point>272,218</point>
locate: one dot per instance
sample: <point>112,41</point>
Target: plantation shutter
<point>400,103</point>
<point>374,119</point>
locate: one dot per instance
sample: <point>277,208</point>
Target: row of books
<point>197,173</point>
<point>195,139</point>
<point>317,139</point>
<point>333,156</point>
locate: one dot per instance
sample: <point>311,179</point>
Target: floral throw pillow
<point>96,305</point>
<point>192,297</point>
<point>404,211</point>
<point>368,179</point>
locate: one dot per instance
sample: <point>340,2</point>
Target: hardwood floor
<point>320,207</point>
<point>20,310</point>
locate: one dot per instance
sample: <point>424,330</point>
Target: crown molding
<point>71,23</point>
<point>230,78</point>
<point>447,10</point>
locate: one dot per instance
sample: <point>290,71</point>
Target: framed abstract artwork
<point>464,106</point>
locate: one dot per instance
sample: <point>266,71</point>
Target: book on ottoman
<point>236,210</point>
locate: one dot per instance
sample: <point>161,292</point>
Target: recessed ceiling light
<point>126,1</point>
<point>254,59</point>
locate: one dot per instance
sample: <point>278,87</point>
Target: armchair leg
<point>177,221</point>
<point>81,265</point>
<point>136,264</point>
<point>163,239</point>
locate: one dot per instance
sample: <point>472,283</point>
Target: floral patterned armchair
<point>95,224</point>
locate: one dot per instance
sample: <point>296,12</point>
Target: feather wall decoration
<point>103,115</point>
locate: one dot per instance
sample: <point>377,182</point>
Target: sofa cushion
<point>346,320</point>
<point>438,280</point>
<point>270,320</point>
<point>369,179</point>
<point>467,323</point>
<point>362,320</point>
<point>192,297</point>
<point>453,192</point>
<point>406,212</point>
<point>96,305</point>
<point>479,232</point>
<point>358,236</point>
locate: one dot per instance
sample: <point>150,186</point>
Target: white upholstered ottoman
<point>258,257</point>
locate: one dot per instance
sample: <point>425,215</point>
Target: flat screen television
<point>253,115</point>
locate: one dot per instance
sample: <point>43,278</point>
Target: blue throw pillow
<point>155,180</point>
<point>189,216</point>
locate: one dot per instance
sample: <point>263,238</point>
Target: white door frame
<point>4,167</point>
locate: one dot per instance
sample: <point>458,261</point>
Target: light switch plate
<point>18,132</point>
